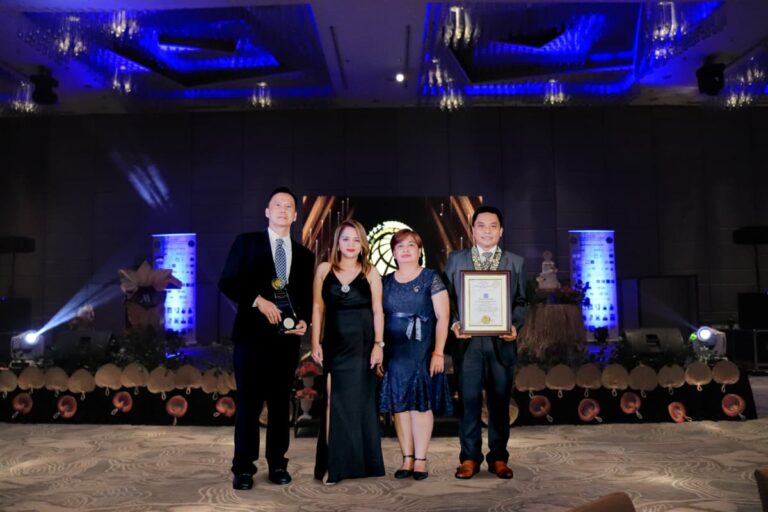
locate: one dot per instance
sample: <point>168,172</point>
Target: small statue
<point>145,291</point>
<point>548,278</point>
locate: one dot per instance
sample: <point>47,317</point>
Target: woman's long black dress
<point>354,440</point>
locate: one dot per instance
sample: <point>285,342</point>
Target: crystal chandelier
<point>70,39</point>
<point>123,24</point>
<point>22,101</point>
<point>668,27</point>
<point>745,83</point>
<point>436,76</point>
<point>668,23</point>
<point>261,97</point>
<point>450,97</point>
<point>122,81</point>
<point>553,93</point>
<point>438,79</point>
<point>459,28</point>
<point>671,28</point>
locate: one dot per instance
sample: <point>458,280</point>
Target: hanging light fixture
<point>261,97</point>
<point>442,86</point>
<point>70,40</point>
<point>674,27</point>
<point>451,98</point>
<point>435,75</point>
<point>22,99</point>
<point>553,93</point>
<point>668,27</point>
<point>122,81</point>
<point>122,24</point>
<point>746,82</point>
<point>459,28</point>
<point>668,23</point>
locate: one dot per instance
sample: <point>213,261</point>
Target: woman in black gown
<point>347,310</point>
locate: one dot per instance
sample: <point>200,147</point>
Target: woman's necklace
<point>345,287</point>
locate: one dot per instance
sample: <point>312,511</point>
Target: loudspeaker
<point>648,342</point>
<point>753,310</point>
<point>71,348</point>
<point>16,244</point>
<point>710,78</point>
<point>751,235</point>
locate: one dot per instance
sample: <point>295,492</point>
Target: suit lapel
<point>294,253</point>
<point>468,264</point>
<point>506,264</point>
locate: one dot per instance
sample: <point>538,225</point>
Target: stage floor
<point>703,465</point>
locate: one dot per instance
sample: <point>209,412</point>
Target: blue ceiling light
<point>241,92</point>
<point>198,48</point>
<point>602,58</point>
<point>105,58</point>
<point>670,28</point>
<point>571,47</point>
<point>593,50</point>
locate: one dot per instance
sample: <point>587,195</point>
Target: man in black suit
<point>265,357</point>
<point>486,362</point>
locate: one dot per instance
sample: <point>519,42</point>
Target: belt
<point>413,331</point>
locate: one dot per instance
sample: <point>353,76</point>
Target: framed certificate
<point>484,306</point>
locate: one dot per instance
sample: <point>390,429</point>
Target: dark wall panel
<point>673,183</point>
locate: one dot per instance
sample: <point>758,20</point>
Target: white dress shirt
<point>288,254</point>
<point>492,250</point>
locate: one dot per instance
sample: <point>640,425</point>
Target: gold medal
<point>485,320</point>
<point>278,284</point>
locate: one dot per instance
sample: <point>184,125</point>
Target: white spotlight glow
<point>27,346</point>
<point>31,337</point>
<point>400,78</point>
<point>704,333</point>
<point>710,339</point>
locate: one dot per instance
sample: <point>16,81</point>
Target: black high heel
<point>420,475</point>
<point>404,473</point>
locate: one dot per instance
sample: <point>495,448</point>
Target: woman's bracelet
<point>435,354</point>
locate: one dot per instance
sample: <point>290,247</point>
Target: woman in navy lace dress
<point>416,313</point>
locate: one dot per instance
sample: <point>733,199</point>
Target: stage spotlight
<point>27,346</point>
<point>31,338</point>
<point>709,338</point>
<point>400,78</point>
<point>704,334</point>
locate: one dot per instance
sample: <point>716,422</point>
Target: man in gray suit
<point>485,362</point>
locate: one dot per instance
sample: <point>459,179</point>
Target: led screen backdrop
<point>177,251</point>
<point>593,264</point>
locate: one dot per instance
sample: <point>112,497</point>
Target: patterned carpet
<point>702,466</point>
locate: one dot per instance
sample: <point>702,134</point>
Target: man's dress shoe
<point>468,469</point>
<point>279,476</point>
<point>500,469</point>
<point>242,482</point>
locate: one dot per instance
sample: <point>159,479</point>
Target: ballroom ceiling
<point>142,55</point>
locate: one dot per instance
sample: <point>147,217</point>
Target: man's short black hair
<point>488,209</point>
<point>283,190</point>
